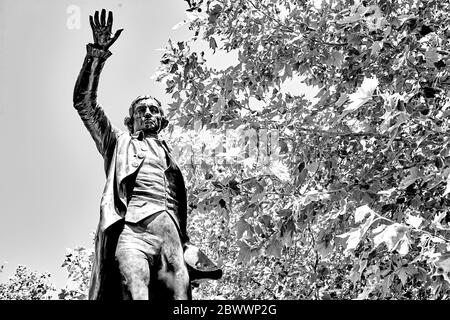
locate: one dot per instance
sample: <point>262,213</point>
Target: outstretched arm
<point>85,92</point>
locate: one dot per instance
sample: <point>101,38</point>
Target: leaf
<point>280,170</point>
<point>373,18</point>
<point>351,19</point>
<point>259,291</point>
<point>310,196</point>
<point>244,252</point>
<point>213,44</point>
<point>414,221</point>
<point>447,188</point>
<point>404,272</point>
<point>379,229</point>
<point>342,99</point>
<point>179,24</point>
<point>312,167</point>
<point>258,195</point>
<point>285,212</point>
<point>361,213</point>
<point>402,275</point>
<point>394,236</point>
<point>284,148</point>
<point>356,234</point>
<point>324,248</point>
<point>287,72</point>
<point>432,56</point>
<point>437,240</point>
<point>274,247</point>
<point>335,59</point>
<point>390,104</point>
<point>256,105</point>
<point>363,94</point>
<point>244,229</point>
<point>443,266</point>
<point>386,285</point>
<point>194,15</point>
<point>217,110</point>
<point>287,231</point>
<point>438,217</point>
<point>365,294</point>
<point>352,238</point>
<point>376,48</point>
<point>355,273</point>
<point>403,246</point>
<point>413,175</point>
<point>258,230</point>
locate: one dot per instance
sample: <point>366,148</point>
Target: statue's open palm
<point>102,30</point>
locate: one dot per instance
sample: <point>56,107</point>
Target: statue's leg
<point>172,270</point>
<point>134,252</point>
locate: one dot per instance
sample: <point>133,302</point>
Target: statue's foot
<point>200,267</point>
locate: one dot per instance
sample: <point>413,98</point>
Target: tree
<point>78,263</point>
<point>27,285</point>
<point>354,201</point>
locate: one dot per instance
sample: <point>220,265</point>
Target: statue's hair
<point>129,120</point>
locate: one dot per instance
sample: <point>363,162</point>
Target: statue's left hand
<point>101,29</point>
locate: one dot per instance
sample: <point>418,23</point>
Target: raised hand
<point>102,30</point>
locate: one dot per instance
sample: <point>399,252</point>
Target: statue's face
<point>146,117</point>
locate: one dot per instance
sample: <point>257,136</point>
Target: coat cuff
<point>96,52</point>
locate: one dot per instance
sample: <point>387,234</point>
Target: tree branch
<point>341,134</point>
<point>412,228</point>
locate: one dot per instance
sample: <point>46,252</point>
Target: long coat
<point>119,150</point>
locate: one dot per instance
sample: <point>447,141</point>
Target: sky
<point>52,174</point>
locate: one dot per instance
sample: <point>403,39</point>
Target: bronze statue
<point>142,249</point>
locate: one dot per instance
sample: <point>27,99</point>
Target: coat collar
<point>140,135</point>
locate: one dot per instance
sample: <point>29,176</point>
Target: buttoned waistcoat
<point>119,150</point>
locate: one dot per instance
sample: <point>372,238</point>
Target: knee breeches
<point>149,253</point>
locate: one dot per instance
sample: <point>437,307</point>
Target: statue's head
<point>146,114</point>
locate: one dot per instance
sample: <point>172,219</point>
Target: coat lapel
<point>127,159</point>
<point>172,162</point>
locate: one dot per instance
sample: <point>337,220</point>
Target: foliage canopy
<point>356,204</point>
<point>26,285</point>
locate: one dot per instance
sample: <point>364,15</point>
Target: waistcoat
<point>152,188</point>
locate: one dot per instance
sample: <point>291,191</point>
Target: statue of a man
<point>141,244</point>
